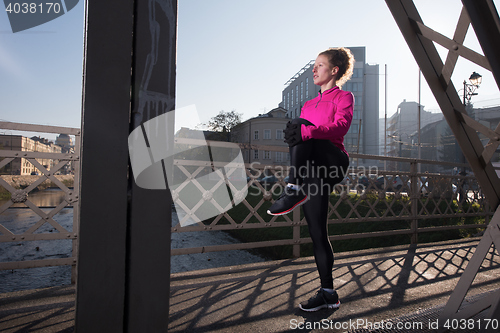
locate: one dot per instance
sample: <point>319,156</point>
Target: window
<point>279,156</point>
<point>256,154</point>
<point>357,72</point>
<point>288,101</point>
<point>279,134</point>
<point>267,155</point>
<point>297,94</point>
<point>307,87</point>
<point>355,114</point>
<point>291,104</point>
<point>256,135</point>
<point>301,91</point>
<point>288,156</point>
<point>267,134</point>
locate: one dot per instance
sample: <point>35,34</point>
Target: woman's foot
<point>322,300</point>
<point>288,200</point>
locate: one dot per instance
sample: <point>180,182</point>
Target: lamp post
<point>469,90</point>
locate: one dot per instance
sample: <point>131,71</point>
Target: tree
<point>224,121</point>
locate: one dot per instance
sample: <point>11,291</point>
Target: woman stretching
<point>318,161</point>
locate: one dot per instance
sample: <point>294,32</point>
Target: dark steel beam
<point>103,200</point>
<point>429,61</point>
<point>124,256</point>
<point>484,18</point>
<point>153,93</point>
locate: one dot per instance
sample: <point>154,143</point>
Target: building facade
<point>263,130</point>
<point>402,129</point>
<point>363,136</point>
<point>438,143</point>
<point>22,166</point>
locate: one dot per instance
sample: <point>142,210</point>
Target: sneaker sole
<point>289,210</point>
<point>323,306</point>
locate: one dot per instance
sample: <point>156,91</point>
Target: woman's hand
<point>293,135</point>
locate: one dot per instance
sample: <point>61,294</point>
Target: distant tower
<point>64,140</point>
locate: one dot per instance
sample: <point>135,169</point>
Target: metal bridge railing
<point>365,195</point>
<point>45,226</point>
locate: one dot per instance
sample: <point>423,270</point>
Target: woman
<point>318,161</point>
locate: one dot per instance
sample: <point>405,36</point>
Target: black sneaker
<point>288,200</point>
<point>321,300</point>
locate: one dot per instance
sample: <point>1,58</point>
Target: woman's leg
<point>316,214</point>
<point>330,165</point>
<point>300,156</point>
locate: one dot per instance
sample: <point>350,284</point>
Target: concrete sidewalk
<point>373,285</point>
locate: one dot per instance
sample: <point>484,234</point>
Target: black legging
<point>318,165</point>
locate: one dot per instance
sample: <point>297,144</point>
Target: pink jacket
<point>331,113</point>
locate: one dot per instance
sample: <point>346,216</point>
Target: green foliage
<point>398,208</point>
<point>224,121</point>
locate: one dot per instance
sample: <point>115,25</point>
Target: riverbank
<point>19,219</point>
<point>20,182</point>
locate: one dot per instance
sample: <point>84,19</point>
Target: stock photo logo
<point>204,179</point>
<point>28,14</point>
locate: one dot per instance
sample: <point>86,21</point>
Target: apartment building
<point>266,130</point>
<point>22,166</point>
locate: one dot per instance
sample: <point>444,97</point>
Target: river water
<point>19,219</point>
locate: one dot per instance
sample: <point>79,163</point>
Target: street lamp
<point>469,89</point>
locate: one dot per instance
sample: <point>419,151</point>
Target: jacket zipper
<point>320,97</point>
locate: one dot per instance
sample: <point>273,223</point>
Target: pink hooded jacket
<point>331,113</point>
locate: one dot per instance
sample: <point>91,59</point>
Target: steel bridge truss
<point>483,16</point>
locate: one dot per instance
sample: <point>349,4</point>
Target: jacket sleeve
<point>342,118</point>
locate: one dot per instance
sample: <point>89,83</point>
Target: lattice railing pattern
<point>45,226</point>
<point>410,197</point>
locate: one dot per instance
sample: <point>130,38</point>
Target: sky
<point>232,55</point>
